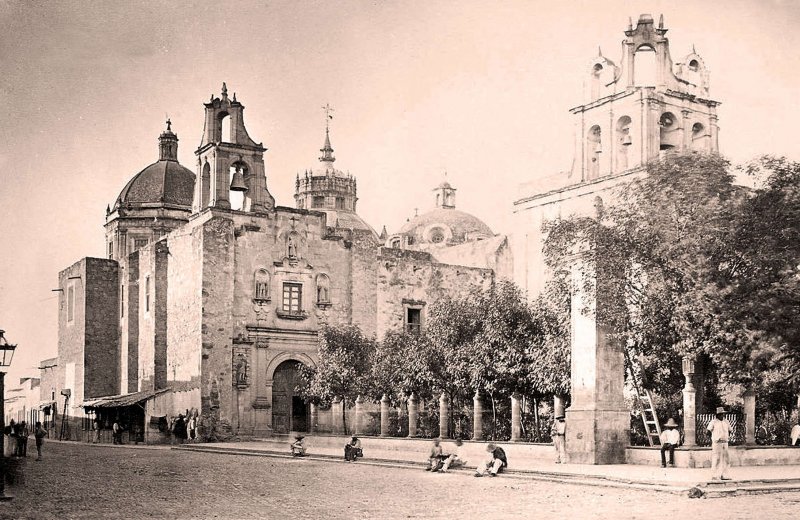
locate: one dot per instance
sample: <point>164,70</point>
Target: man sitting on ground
<point>299,446</point>
<point>670,437</point>
<point>452,459</point>
<point>435,456</point>
<point>353,449</point>
<point>494,464</point>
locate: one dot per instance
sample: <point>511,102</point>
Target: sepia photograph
<point>391,259</point>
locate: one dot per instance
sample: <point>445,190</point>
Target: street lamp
<point>6,355</point>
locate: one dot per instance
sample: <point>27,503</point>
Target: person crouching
<point>494,464</point>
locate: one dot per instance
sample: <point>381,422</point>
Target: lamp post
<point>6,355</point>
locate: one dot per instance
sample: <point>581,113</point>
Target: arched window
<point>669,131</point>
<point>225,128</point>
<point>699,137</point>
<point>594,148</point>
<point>645,67</point>
<point>238,184</point>
<point>395,243</point>
<point>694,65</point>
<point>624,142</point>
<point>323,289</point>
<point>205,185</point>
<point>261,287</point>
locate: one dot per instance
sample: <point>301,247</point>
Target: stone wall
<point>129,338</point>
<point>101,350</point>
<point>407,277</point>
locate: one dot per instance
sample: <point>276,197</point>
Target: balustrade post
<point>384,416</point>
<point>444,414</point>
<point>337,409</point>
<point>516,417</point>
<point>357,425</point>
<point>749,397</point>
<point>314,418</point>
<point>477,416</point>
<point>689,411</point>
<point>413,413</point>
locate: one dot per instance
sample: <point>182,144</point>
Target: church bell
<point>626,141</point>
<point>237,184</point>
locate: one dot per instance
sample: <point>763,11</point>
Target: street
<point>82,481</point>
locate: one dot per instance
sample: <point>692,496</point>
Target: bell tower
<point>230,165</point>
<point>643,108</point>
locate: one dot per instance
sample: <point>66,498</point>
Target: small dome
<point>446,226</point>
<point>163,182</point>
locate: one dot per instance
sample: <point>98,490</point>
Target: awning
<point>44,404</point>
<point>122,400</point>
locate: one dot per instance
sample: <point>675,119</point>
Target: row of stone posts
<point>413,415</point>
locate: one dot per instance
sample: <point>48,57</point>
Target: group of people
<point>439,460</point>
<point>16,436</point>
<point>184,428</point>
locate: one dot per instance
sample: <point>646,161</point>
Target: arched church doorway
<point>289,412</point>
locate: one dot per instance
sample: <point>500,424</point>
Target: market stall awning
<point>122,400</point>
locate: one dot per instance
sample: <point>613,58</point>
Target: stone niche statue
<point>241,371</point>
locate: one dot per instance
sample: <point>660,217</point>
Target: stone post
<point>312,428</point>
<point>598,421</point>
<point>689,409</point>
<point>477,417</point>
<point>749,397</point>
<point>558,405</point>
<point>357,420</point>
<point>384,416</point>
<point>444,415</point>
<point>516,418</point>
<point>413,412</point>
<point>336,410</point>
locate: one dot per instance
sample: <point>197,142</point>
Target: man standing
<point>670,437</point>
<point>558,433</point>
<point>795,434</point>
<point>116,432</point>
<point>720,430</point>
<point>39,433</point>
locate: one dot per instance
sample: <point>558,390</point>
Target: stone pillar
<point>516,418</point>
<point>689,402</point>
<point>477,417</point>
<point>384,416</point>
<point>312,428</point>
<point>444,415</point>
<point>357,420</point>
<point>413,412</point>
<point>336,409</point>
<point>749,397</point>
<point>598,422</point>
<point>558,405</point>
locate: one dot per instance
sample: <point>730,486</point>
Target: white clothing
<point>720,460</point>
<point>795,433</point>
<point>671,436</point>
<point>720,430</point>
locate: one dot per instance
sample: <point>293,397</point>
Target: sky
<point>477,89</point>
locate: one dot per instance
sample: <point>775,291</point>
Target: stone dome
<point>445,226</point>
<point>163,182</point>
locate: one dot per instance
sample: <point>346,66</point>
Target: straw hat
<point>559,417</point>
<point>671,423</point>
<point>721,409</point>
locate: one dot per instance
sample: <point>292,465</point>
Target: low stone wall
<point>520,455</point>
<point>700,457</point>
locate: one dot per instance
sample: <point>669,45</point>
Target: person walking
<point>39,433</point>
<point>24,433</point>
<point>559,433</point>
<point>720,430</point>
<point>12,438</point>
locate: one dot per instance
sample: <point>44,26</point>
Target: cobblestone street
<point>79,481</point>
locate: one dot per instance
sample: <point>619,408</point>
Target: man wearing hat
<point>670,437</point>
<point>558,433</point>
<point>720,430</point>
<point>496,462</point>
<point>299,446</point>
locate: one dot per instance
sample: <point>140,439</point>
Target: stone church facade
<point>211,295</point>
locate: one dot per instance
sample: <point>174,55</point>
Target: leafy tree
<point>344,367</point>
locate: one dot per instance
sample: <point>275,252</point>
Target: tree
<point>344,367</point>
<point>704,267</point>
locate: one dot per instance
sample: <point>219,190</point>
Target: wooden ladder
<point>652,427</point>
